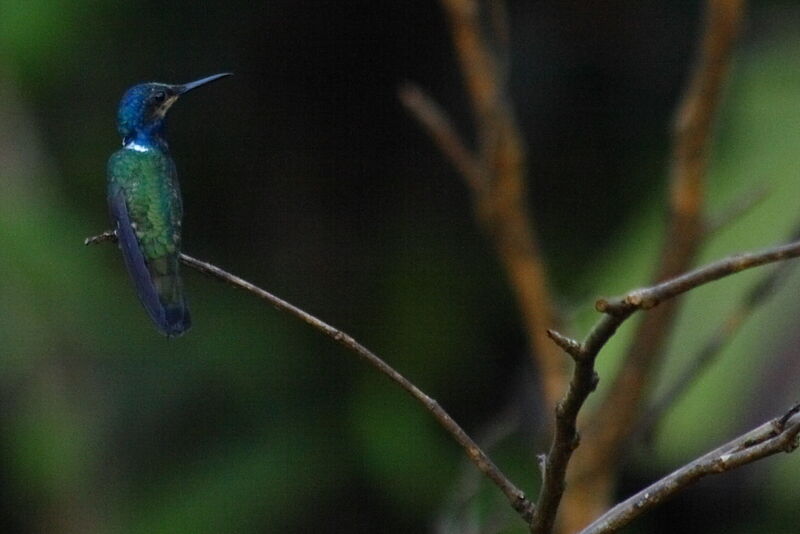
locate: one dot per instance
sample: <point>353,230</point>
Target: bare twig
<point>496,174</point>
<point>479,67</point>
<point>649,297</point>
<point>778,435</point>
<point>515,496</point>
<point>443,133</point>
<point>584,379</point>
<point>567,344</point>
<point>616,417</point>
<point>105,237</point>
<point>566,438</point>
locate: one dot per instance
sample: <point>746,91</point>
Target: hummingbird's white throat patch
<point>133,145</point>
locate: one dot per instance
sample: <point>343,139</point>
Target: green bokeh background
<point>304,175</point>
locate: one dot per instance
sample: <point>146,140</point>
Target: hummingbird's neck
<point>145,140</point>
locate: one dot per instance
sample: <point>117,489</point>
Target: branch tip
<point>440,128</point>
<point>108,235</point>
<point>569,345</point>
<point>788,415</point>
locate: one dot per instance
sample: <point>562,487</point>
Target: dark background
<point>304,174</point>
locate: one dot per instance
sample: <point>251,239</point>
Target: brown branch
<point>478,65</point>
<point>501,37</point>
<point>617,414</point>
<point>584,379</point>
<point>500,196</point>
<point>567,344</point>
<point>566,438</point>
<point>778,435</point>
<point>443,133</point>
<point>649,297</point>
<point>515,496</point>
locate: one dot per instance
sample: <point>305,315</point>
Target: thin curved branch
<point>480,459</point>
<point>778,435</point>
<point>649,297</point>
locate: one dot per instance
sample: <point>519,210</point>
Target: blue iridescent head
<point>143,108</point>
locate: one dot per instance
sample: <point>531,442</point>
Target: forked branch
<point>615,312</point>
<point>617,416</point>
<point>496,171</point>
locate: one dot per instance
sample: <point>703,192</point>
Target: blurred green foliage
<point>303,175</point>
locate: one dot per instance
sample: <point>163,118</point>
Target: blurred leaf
<point>403,451</point>
<point>242,487</point>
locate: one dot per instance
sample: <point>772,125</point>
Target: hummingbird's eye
<point>159,96</point>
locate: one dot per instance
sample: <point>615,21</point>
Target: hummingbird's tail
<point>168,309</point>
<point>162,295</point>
<point>177,319</point>
<point>159,288</point>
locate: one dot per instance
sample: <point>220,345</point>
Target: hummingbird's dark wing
<point>133,257</point>
<point>144,204</point>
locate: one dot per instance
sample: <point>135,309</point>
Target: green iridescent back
<point>150,187</point>
<point>147,182</point>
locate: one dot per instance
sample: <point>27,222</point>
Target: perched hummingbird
<point>145,204</point>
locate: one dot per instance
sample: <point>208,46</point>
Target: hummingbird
<point>144,201</point>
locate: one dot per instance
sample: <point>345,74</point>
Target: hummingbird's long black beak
<point>185,88</point>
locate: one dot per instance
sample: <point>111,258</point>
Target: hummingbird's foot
<point>108,235</point>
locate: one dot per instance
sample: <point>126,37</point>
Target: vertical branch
<point>615,418</point>
<point>566,438</point>
<point>500,198</point>
<point>687,193</point>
